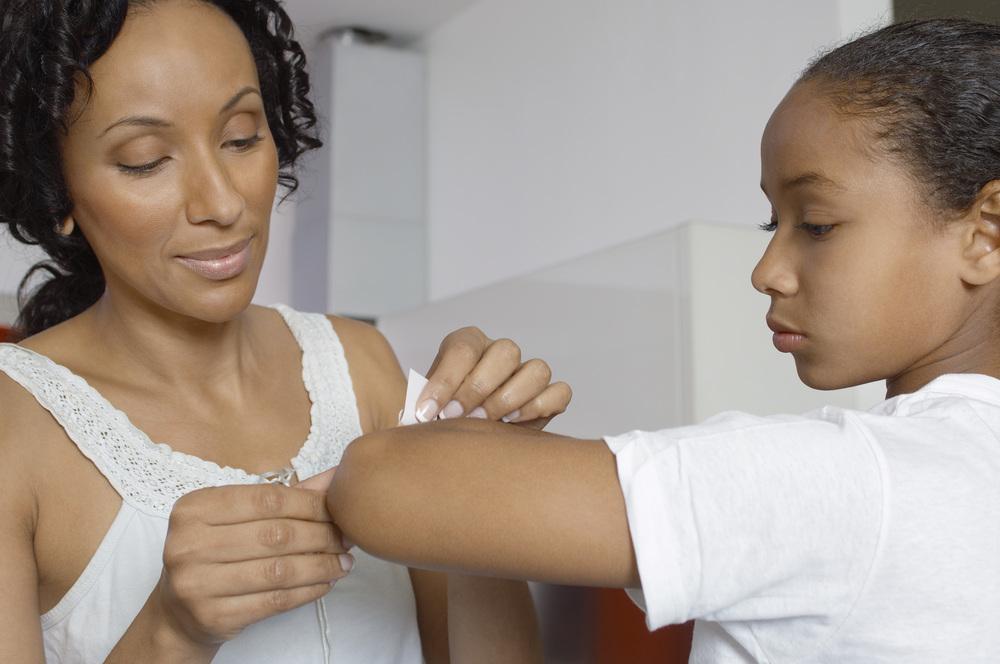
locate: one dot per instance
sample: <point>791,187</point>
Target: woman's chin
<point>218,305</point>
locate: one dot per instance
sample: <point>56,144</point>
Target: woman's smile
<point>219,264</point>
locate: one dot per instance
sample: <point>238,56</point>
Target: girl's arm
<point>488,499</point>
<point>460,619</point>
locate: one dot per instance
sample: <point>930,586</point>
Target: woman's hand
<point>476,376</point>
<point>235,555</point>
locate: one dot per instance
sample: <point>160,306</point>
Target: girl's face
<point>170,164</point>
<point>859,271</point>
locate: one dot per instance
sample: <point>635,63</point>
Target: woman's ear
<point>67,226</point>
<point>981,239</point>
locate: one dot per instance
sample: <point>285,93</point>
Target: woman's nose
<point>774,273</point>
<point>212,195</point>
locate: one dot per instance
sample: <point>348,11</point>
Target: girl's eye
<point>769,226</point>
<point>816,230</point>
<point>244,144</point>
<point>142,169</point>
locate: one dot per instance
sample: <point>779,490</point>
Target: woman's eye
<point>244,144</point>
<point>142,169</point>
<point>769,226</point>
<point>816,230</point>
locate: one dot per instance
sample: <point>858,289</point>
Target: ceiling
<point>403,20</point>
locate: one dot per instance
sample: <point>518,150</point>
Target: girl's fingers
<point>537,412</point>
<point>459,354</point>
<point>530,381</point>
<point>501,360</point>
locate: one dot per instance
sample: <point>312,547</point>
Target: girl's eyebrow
<point>809,178</point>
<point>149,121</point>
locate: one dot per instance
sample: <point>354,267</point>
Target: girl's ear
<point>981,240</point>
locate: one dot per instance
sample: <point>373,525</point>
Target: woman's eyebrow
<point>149,121</point>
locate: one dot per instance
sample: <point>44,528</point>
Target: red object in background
<point>622,635</point>
<point>4,333</point>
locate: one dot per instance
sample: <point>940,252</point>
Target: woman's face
<point>170,164</point>
<point>858,266</point>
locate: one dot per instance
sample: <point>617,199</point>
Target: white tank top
<point>369,617</point>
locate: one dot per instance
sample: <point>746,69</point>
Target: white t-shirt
<point>835,536</point>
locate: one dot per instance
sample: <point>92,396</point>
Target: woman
<point>141,144</point>
<point>834,536</point>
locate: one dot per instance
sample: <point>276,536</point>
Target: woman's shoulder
<point>24,424</point>
<point>375,372</point>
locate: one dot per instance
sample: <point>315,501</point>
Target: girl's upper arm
<point>21,635</point>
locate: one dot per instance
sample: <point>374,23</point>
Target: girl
<point>141,144</point>
<point>834,536</point>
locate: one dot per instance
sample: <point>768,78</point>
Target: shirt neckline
<point>168,453</point>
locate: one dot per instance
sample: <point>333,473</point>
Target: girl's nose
<point>774,273</point>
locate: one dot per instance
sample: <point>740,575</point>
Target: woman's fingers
<point>246,503</point>
<point>277,573</point>
<point>459,354</point>
<point>499,363</point>
<point>474,376</point>
<point>250,541</point>
<point>320,482</point>
<point>537,412</point>
<point>223,618</point>
<point>528,382</point>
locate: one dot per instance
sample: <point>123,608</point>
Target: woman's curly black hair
<point>931,89</point>
<point>46,49</point>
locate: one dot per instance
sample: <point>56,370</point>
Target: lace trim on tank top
<point>152,476</point>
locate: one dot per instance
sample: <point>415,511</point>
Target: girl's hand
<point>235,555</point>
<point>476,376</point>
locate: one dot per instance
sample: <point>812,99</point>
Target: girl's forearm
<point>491,621</point>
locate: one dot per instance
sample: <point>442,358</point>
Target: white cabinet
<point>360,221</point>
<point>659,332</point>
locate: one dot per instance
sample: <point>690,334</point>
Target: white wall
<point>15,260</point>
<point>558,127</point>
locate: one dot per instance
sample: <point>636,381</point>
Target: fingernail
<point>346,562</point>
<point>479,413</point>
<point>427,411</point>
<point>453,409</point>
<point>512,417</point>
<point>333,583</point>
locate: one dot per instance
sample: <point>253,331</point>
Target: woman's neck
<point>169,348</point>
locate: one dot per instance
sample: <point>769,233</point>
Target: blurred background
<point>579,175</point>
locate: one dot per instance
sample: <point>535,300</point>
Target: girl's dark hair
<point>932,91</point>
<point>46,48</point>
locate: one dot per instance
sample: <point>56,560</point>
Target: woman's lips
<point>219,264</point>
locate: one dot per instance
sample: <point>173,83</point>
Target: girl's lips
<point>223,267</point>
<point>788,342</point>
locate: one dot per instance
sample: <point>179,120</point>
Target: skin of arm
<point>21,634</point>
<point>460,619</point>
<point>487,499</point>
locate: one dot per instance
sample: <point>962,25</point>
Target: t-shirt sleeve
<point>749,518</point>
